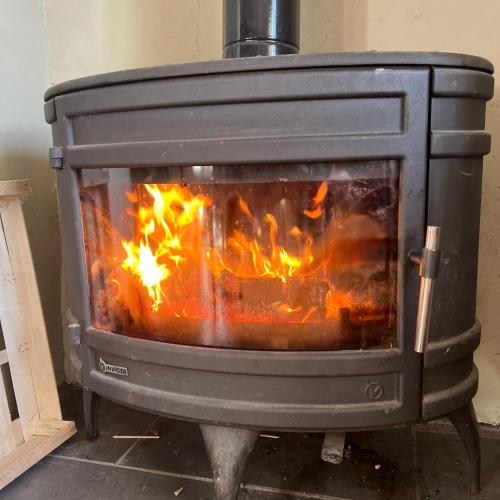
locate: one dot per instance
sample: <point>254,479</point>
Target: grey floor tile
<point>371,469</point>
<point>395,464</point>
<point>490,453</point>
<point>114,419</point>
<point>379,464</point>
<point>443,471</point>
<point>65,479</point>
<point>180,449</point>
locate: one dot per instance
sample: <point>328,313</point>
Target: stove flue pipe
<point>261,27</point>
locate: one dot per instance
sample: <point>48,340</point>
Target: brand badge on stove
<point>113,369</point>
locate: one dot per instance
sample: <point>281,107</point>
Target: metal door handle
<point>428,272</point>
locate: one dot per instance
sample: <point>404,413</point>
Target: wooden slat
<point>14,188</point>
<point>33,322</point>
<point>18,431</point>
<point>7,438</point>
<point>49,427</point>
<point>16,338</point>
<point>39,428</point>
<point>32,451</point>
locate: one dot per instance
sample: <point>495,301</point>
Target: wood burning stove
<point>240,240</point>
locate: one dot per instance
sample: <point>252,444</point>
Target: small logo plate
<point>374,390</point>
<point>113,369</point>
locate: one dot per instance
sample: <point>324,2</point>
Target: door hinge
<point>74,333</point>
<point>56,156</point>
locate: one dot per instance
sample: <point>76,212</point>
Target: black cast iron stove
<point>276,243</point>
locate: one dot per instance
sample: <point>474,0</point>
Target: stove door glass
<point>276,257</point>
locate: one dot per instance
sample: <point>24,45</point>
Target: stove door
<point>257,238</point>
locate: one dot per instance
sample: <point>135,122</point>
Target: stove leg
<point>91,402</point>
<point>464,420</point>
<point>333,447</point>
<point>228,450</point>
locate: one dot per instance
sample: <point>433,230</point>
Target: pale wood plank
<point>31,452</point>
<point>16,338</point>
<point>14,188</point>
<point>49,427</point>
<point>33,323</point>
<point>18,431</point>
<point>39,429</point>
<point>7,439</point>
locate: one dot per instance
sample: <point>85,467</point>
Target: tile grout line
<point>176,475</point>
<point>416,474</point>
<point>298,494</point>
<point>136,442</point>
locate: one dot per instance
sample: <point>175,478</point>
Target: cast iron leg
<point>465,422</point>
<point>91,402</point>
<point>228,450</point>
<point>333,447</point>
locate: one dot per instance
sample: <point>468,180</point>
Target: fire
<point>252,260</point>
<point>313,214</point>
<point>335,301</point>
<point>170,222</point>
<point>320,196</point>
<point>166,236</point>
<point>285,308</point>
<point>177,263</point>
<point>278,263</point>
<point>316,212</point>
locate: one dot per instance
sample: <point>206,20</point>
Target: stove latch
<point>428,261</point>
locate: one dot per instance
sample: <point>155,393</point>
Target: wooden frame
<point>39,428</point>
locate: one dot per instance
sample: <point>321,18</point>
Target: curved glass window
<point>277,257</point>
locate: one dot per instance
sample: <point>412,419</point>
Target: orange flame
<point>321,194</point>
<point>313,214</point>
<point>166,236</point>
<point>335,301</point>
<point>285,308</point>
<point>252,261</point>
<point>317,200</point>
<point>169,219</point>
<point>244,208</point>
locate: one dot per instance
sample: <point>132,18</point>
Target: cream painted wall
<point>94,36</point>
<point>24,142</point>
<point>453,26</point>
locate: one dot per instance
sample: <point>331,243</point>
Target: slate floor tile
<point>114,419</point>
<point>179,449</point>
<point>443,472</point>
<point>423,463</point>
<point>378,466</point>
<point>63,479</point>
<point>370,469</point>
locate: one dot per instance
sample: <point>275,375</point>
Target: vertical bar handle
<point>429,266</point>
